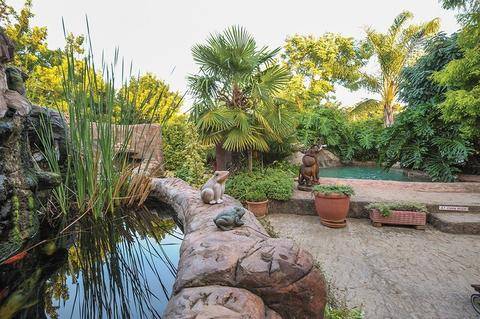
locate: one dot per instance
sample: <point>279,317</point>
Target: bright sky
<point>158,35</point>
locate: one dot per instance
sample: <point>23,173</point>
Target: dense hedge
<point>270,183</point>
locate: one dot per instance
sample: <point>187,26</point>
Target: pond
<point>121,267</point>
<point>355,172</point>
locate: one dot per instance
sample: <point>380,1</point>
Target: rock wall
<point>242,273</point>
<point>20,177</point>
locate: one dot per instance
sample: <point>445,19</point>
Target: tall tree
<point>319,63</point>
<point>147,99</point>
<point>235,94</point>
<point>42,64</point>
<point>462,75</point>
<point>394,50</point>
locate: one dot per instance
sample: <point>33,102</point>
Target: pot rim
<point>263,202</point>
<point>330,195</point>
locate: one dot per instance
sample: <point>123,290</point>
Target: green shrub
<point>350,140</point>
<point>385,209</point>
<point>334,189</point>
<point>271,183</point>
<point>343,313</point>
<point>183,154</point>
<point>255,195</point>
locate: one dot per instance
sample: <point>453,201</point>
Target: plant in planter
<point>332,203</point>
<point>257,201</point>
<point>398,213</point>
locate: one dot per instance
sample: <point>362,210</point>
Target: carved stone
<point>310,168</point>
<point>277,271</point>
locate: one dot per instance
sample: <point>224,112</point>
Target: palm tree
<point>394,50</point>
<point>235,90</point>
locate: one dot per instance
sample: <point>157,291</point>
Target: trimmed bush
<point>270,183</point>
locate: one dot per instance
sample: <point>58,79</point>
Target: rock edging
<point>242,273</point>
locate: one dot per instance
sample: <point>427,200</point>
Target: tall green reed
<point>99,177</point>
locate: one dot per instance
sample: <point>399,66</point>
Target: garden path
<point>391,272</point>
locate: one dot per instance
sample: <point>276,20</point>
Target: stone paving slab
<point>391,272</point>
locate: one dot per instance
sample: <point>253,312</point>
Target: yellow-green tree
<point>319,63</point>
<point>148,100</point>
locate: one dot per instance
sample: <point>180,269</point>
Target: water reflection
<point>119,267</point>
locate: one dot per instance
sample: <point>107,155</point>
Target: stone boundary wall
<point>242,273</point>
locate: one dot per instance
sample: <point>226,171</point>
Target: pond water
<point>122,267</point>
<point>365,173</point>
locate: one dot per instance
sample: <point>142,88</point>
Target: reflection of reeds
<point>113,258</point>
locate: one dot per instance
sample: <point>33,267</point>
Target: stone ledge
<point>456,223</point>
<point>277,271</point>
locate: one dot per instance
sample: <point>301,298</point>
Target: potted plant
<point>257,201</point>
<point>399,213</point>
<point>332,203</point>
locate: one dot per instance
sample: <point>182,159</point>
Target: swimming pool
<point>355,172</point>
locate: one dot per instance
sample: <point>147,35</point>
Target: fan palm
<point>394,50</point>
<point>235,94</point>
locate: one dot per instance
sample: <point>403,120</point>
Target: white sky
<point>158,35</point>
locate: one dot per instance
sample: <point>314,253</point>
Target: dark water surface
<point>365,173</point>
<point>121,267</point>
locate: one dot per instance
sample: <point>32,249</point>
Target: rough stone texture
<point>275,270</point>
<point>456,223</point>
<point>20,178</point>
<point>391,272</point>
<point>217,302</point>
<point>325,158</point>
<point>144,145</point>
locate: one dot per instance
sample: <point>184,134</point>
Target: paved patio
<point>391,272</point>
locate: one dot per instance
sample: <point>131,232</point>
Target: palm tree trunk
<point>223,158</point>
<point>250,160</point>
<point>387,115</point>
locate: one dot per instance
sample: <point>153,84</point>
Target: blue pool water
<point>365,173</point>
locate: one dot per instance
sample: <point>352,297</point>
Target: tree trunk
<point>250,160</point>
<point>387,115</point>
<point>223,158</point>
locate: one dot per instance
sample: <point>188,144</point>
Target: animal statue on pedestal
<point>310,168</point>
<point>229,219</point>
<point>212,192</point>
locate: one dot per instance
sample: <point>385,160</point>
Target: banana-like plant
<point>394,50</point>
<point>235,91</point>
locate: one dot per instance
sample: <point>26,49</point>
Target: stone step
<point>456,223</point>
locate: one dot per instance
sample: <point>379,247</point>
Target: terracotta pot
<point>332,209</point>
<point>259,209</point>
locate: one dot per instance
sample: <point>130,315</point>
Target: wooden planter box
<point>399,217</point>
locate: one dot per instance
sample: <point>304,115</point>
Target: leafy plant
<point>255,194</point>
<point>342,313</point>
<point>184,155</point>
<point>271,183</point>
<point>420,139</point>
<point>235,94</point>
<point>385,209</point>
<point>328,189</point>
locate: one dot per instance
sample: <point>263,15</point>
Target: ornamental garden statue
<point>310,168</point>
<point>212,192</point>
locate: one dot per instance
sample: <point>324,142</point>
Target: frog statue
<point>212,192</point>
<point>229,219</point>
